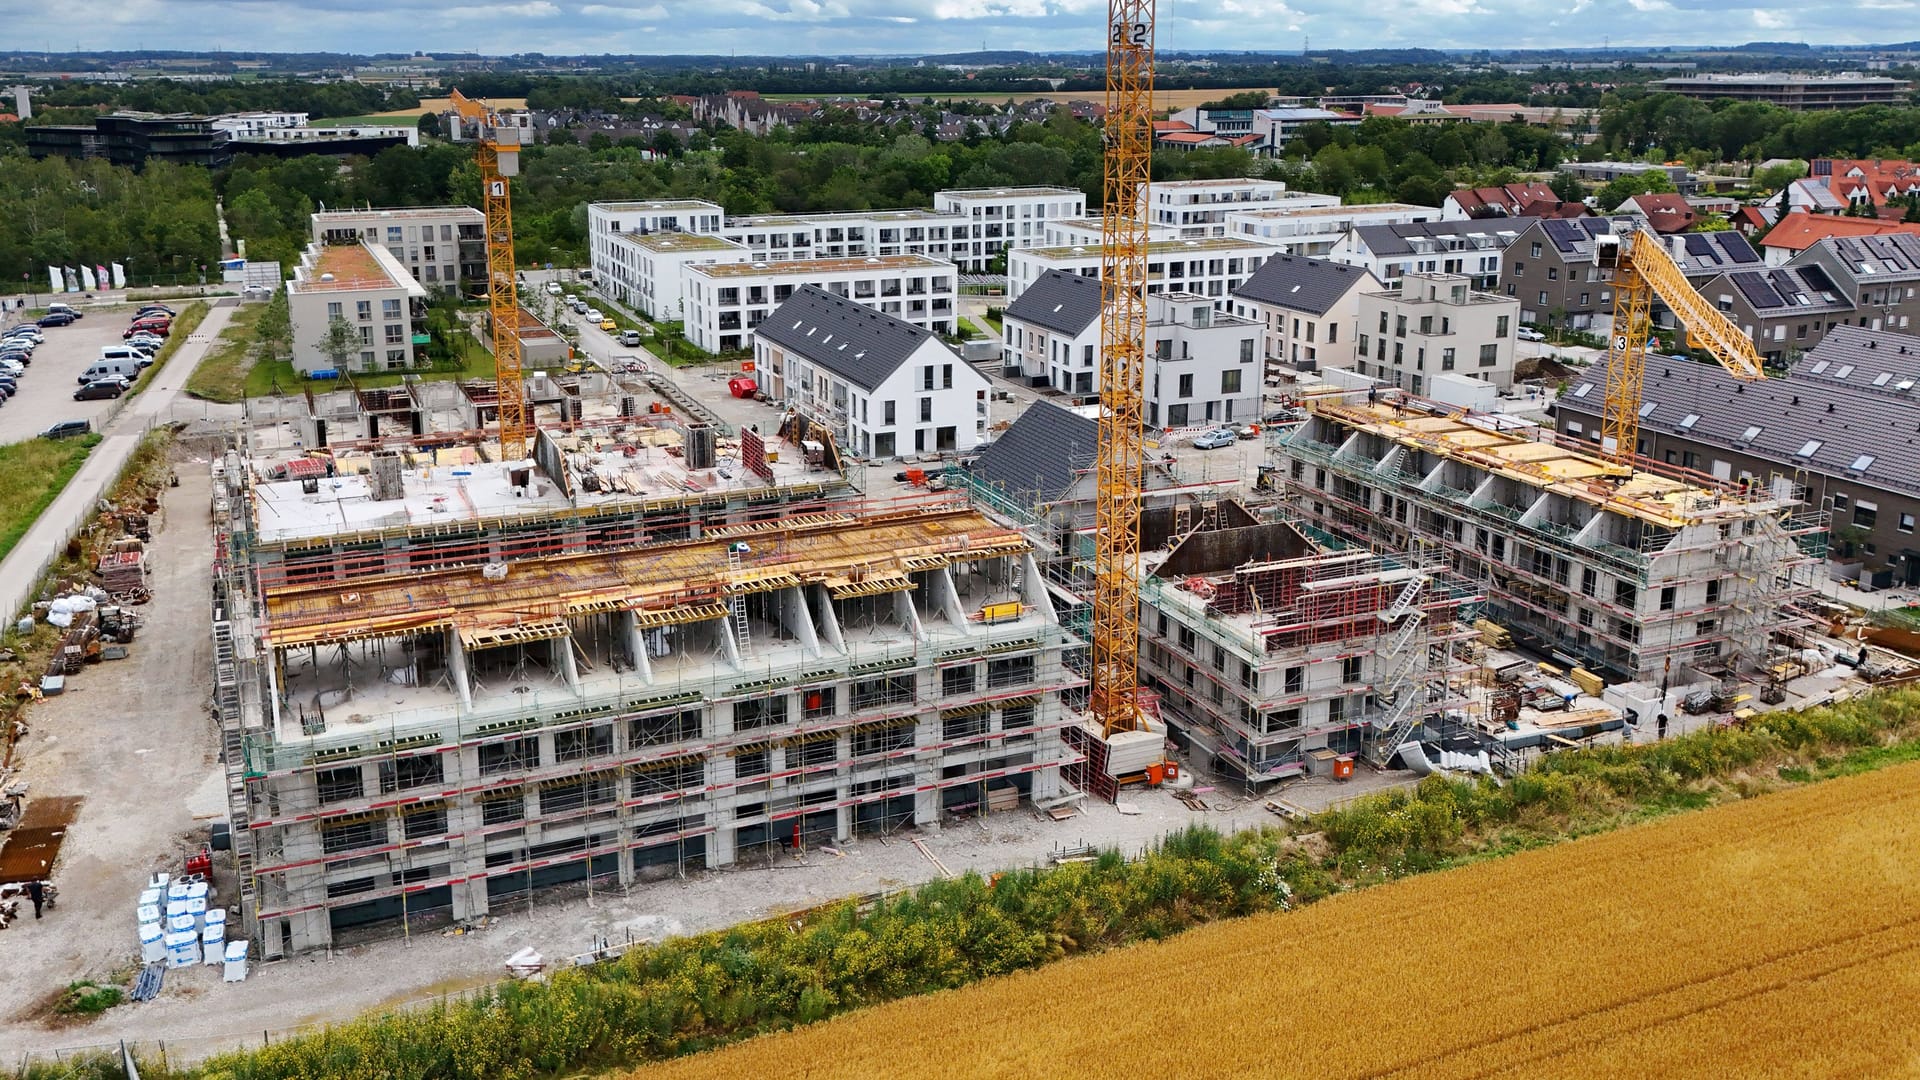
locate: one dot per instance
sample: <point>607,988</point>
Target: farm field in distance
<point>1776,936</point>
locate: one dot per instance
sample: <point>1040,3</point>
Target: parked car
<point>1528,333</point>
<point>13,367</point>
<point>146,340</point>
<point>56,318</point>
<point>609,325</point>
<point>58,308</point>
<point>1215,439</point>
<point>161,308</point>
<point>67,429</point>
<point>554,289</point>
<point>99,389</point>
<point>629,337</point>
<point>157,329</point>
<point>16,356</point>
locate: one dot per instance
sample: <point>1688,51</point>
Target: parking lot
<point>46,393</point>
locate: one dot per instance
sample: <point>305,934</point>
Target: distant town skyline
<point>866,27</point>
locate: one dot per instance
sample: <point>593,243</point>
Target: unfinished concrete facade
<point>1641,576</point>
<point>445,681</point>
<point>1267,647</point>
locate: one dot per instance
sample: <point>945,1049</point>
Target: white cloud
<point>1650,5</point>
<point>1771,20</point>
<point>531,9</point>
<point>650,13</point>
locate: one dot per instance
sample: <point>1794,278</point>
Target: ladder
<point>1404,602</point>
<point>226,681</point>
<point>737,605</point>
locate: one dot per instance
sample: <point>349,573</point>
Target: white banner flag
<point>53,276</point>
<point>86,278</point>
<point>73,280</point>
<point>119,276</point>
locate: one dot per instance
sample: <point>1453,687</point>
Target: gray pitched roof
<point>1698,254</point>
<point>856,343</point>
<point>1869,260</point>
<point>1060,301</point>
<point>1298,283</point>
<point>1868,434</point>
<point>1421,237</point>
<point>1787,290</point>
<point>1035,459</point>
<point>1858,357</point>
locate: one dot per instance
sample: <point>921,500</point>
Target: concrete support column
<point>793,614</point>
<point>457,668</point>
<point>1033,590</point>
<point>946,595</point>
<point>565,661</point>
<point>825,621</point>
<point>729,647</point>
<point>909,617</point>
<point>629,630</point>
<point>720,842</point>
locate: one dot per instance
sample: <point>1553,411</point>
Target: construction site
<point>445,679</point>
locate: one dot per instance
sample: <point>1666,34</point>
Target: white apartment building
<point>1195,208</point>
<point>884,387</point>
<point>255,125</point>
<point>1211,267</point>
<point>1000,219</point>
<point>725,302</point>
<point>1307,310</point>
<point>1314,230</point>
<point>1427,324</point>
<point>1200,361</point>
<point>441,246</point>
<point>645,271</point>
<point>1472,248</point>
<point>363,285</point>
<point>772,237</point>
<point>1085,231</point>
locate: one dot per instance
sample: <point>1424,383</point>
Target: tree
<point>429,125</point>
<point>1246,99</point>
<point>559,136</point>
<point>1645,182</point>
<point>1775,177</point>
<point>340,343</point>
<point>666,143</point>
<point>1567,187</point>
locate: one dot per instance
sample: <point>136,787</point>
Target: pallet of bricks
<point>122,570</point>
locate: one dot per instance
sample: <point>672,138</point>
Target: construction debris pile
<point>93,628</point>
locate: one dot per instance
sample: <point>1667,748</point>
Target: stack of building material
<point>1006,797</point>
<point>236,961</point>
<point>124,568</point>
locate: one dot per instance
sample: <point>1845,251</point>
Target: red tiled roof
<point>1667,213</point>
<point>1160,126</point>
<point>1187,138</point>
<point>1799,231</point>
<point>1878,178</point>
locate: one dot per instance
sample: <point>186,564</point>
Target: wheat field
<point>1774,937</point>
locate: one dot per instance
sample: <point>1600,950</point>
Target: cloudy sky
<point>787,27</point>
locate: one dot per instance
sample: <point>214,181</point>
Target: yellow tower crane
<point>1641,269</point>
<point>1115,651</point>
<point>499,159</point>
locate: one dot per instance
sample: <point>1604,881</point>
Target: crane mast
<point>1123,270</point>
<point>1641,269</point>
<point>498,156</point>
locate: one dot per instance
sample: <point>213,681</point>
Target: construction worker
<point>37,892</point>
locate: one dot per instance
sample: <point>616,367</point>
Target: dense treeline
<point>1637,124</point>
<point>157,223</point>
<point>318,100</point>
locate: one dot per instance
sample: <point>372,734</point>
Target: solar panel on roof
<point>1741,252</point>
<point>1566,235</point>
<point>1758,293</point>
<point>1699,245</point>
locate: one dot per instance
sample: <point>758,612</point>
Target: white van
<point>126,352</point>
<point>124,367</point>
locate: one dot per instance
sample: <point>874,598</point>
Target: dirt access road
<point>133,741</point>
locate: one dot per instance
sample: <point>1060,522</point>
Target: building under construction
<point>1272,655</point>
<point>444,681</point>
<point>1654,574</point>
